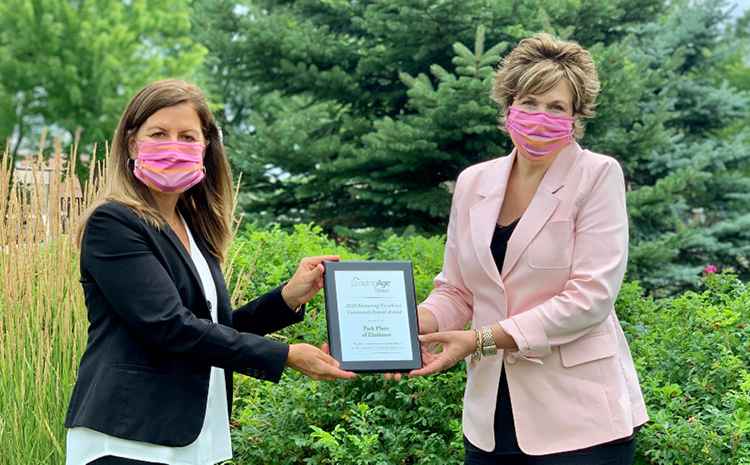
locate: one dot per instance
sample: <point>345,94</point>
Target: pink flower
<point>710,269</point>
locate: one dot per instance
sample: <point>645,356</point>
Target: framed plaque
<point>371,311</point>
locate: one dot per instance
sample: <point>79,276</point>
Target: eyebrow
<point>554,102</point>
<point>151,128</point>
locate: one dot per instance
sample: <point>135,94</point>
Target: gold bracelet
<point>478,350</point>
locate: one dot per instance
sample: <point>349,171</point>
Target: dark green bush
<point>691,352</point>
<point>693,360</point>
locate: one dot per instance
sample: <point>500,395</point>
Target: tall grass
<point>42,314</point>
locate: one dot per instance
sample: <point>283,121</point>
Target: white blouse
<point>213,444</point>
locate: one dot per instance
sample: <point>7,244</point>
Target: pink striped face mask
<point>169,167</point>
<point>538,135</point>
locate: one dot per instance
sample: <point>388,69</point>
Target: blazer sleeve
<point>451,301</point>
<point>599,261</point>
<point>117,254</point>
<point>266,314</point>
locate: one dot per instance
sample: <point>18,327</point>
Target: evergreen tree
<point>360,115</point>
<point>690,199</point>
<point>316,110</point>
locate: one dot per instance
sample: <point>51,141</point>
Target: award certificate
<point>371,313</point>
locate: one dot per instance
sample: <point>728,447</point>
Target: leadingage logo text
<point>380,285</point>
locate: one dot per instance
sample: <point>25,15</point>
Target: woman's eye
<point>188,138</point>
<point>157,135</point>
<point>528,102</point>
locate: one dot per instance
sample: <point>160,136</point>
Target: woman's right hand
<point>456,345</point>
<point>428,324</point>
<point>315,363</point>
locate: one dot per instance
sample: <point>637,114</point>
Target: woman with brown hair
<point>155,381</point>
<point>535,255</point>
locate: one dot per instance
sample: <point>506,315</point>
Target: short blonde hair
<point>537,65</point>
<point>208,205</point>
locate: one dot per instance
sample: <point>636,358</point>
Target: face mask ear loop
<point>131,159</point>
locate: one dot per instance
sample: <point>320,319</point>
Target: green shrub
<point>693,361</point>
<point>691,353</point>
<point>364,421</point>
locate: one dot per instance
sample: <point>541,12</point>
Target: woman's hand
<point>456,345</point>
<point>315,363</point>
<point>427,324</point>
<point>307,280</point>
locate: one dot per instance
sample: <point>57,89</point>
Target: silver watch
<point>488,344</point>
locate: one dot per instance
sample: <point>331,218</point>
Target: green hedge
<point>691,352</point>
<point>693,360</point>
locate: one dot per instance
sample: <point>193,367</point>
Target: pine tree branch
<point>434,20</point>
<point>648,128</point>
<point>578,15</point>
<point>237,114</point>
<point>230,16</point>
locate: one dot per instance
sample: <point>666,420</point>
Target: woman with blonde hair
<point>535,256</point>
<point>155,380</point>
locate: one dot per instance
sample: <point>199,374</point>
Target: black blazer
<point>144,375</point>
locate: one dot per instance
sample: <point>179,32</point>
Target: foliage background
<point>360,115</point>
<point>350,114</point>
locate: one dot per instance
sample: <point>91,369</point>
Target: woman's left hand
<point>307,280</point>
<point>456,345</point>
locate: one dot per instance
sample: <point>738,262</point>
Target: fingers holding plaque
<point>371,311</point>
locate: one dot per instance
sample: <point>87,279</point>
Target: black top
<point>505,430</point>
<point>499,243</point>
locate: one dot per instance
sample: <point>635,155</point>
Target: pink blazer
<point>572,382</point>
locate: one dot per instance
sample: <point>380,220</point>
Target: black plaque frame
<point>334,322</point>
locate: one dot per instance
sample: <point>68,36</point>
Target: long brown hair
<point>208,205</point>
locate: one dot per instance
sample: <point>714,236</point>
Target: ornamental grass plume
<point>42,313</point>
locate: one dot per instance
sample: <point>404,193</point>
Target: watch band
<point>478,351</point>
<point>488,344</point>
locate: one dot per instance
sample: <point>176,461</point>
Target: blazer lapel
<point>542,206</point>
<point>483,215</point>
